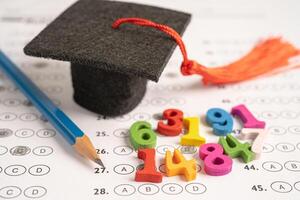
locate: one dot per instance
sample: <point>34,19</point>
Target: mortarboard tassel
<point>270,54</point>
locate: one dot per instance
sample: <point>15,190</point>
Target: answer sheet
<point>36,162</point>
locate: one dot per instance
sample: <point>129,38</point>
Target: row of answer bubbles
<point>284,147</point>
<point>273,130</point>
<point>18,170</point>
<point>126,169</point>
<point>15,102</point>
<point>27,117</point>
<point>10,192</point>
<point>48,89</point>
<point>285,114</point>
<point>264,87</point>
<point>124,150</point>
<point>284,187</point>
<point>273,166</point>
<point>26,133</point>
<point>137,116</point>
<point>46,77</point>
<point>268,100</point>
<point>159,101</point>
<point>194,188</point>
<point>165,88</point>
<point>25,150</point>
<point>279,130</point>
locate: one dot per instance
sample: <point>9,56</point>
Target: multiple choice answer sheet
<point>36,162</point>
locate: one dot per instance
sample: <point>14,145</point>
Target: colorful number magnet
<point>192,137</point>
<point>249,121</point>
<point>174,125</point>
<point>215,163</point>
<point>178,165</point>
<point>142,136</point>
<point>234,148</point>
<point>258,136</point>
<point>149,172</point>
<point>220,120</point>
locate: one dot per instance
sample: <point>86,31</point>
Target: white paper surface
<point>220,32</point>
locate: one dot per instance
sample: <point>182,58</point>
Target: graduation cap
<point>109,67</point>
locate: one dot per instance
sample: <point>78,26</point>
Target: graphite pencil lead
<point>99,162</point>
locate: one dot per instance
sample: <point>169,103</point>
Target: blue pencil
<point>54,115</point>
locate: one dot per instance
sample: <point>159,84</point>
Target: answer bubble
<point>285,147</point>
<point>263,100</point>
<point>15,170</point>
<point>11,102</point>
<point>188,149</point>
<point>123,169</point>
<point>123,118</point>
<point>141,117</point>
<point>297,186</point>
<point>54,89</point>
<point>24,133</point>
<point>158,102</point>
<point>294,129</point>
<point>276,130</point>
<point>46,133</point>
<point>267,148</point>
<point>121,133</point>
<point>195,188</point>
<point>3,150</point>
<point>281,100</point>
<point>177,101</point>
<point>10,192</point>
<point>5,132</point>
<point>20,150</point>
<point>162,149</point>
<point>172,188</point>
<point>162,168</point>
<point>148,189</point>
<point>7,116</point>
<point>28,117</point>
<point>269,115</point>
<point>281,187</point>
<point>35,192</point>
<point>42,150</point>
<point>289,114</point>
<point>272,166</point>
<point>124,190</point>
<point>292,166</point>
<point>39,170</point>
<point>123,150</point>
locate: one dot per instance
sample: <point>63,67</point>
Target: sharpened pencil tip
<point>99,162</point>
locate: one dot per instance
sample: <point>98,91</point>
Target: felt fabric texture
<point>83,35</point>
<point>109,67</point>
<point>106,93</point>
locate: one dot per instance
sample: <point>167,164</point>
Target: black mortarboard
<point>109,67</point>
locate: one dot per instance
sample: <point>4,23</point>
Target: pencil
<point>62,123</point>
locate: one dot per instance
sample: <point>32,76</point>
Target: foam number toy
<point>174,125</point>
<point>258,136</point>
<point>220,120</point>
<point>178,165</point>
<point>249,121</point>
<point>215,163</point>
<point>149,172</point>
<point>234,148</point>
<point>192,137</point>
<point>142,136</point>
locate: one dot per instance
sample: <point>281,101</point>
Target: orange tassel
<point>268,55</point>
